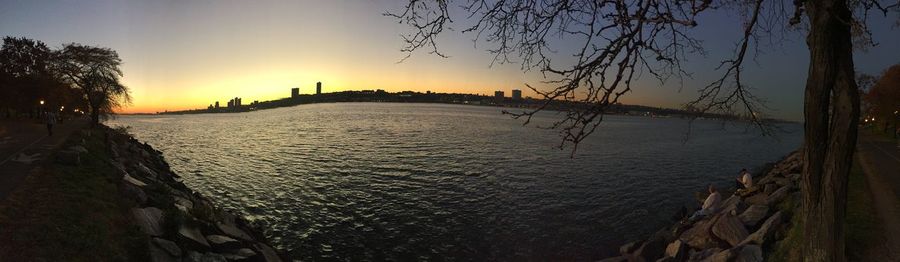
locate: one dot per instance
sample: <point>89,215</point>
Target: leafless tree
<point>619,40</point>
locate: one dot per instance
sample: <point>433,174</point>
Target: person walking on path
<point>51,120</point>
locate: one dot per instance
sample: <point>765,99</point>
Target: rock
<point>677,250</point>
<point>128,178</point>
<point>765,231</point>
<point>705,253</point>
<point>750,253</point>
<point>733,204</point>
<point>700,235</point>
<point>220,242</point>
<point>195,256</point>
<point>158,254</point>
<point>614,259</point>
<point>783,181</point>
<point>630,247</point>
<point>232,231</point>
<point>240,254</point>
<point>268,254</point>
<point>666,259</point>
<point>651,250</point>
<point>769,188</point>
<point>722,256</point>
<point>754,214</point>
<point>183,204</point>
<point>134,192</point>
<point>757,199</point>
<point>149,219</point>
<point>730,229</point>
<point>169,246</point>
<point>146,171</point>
<point>193,235</point>
<point>778,195</point>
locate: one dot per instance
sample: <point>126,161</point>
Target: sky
<point>189,54</point>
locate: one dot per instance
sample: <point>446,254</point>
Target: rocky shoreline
<point>747,227</point>
<point>181,224</point>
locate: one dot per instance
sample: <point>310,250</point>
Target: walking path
<point>24,144</point>
<point>880,159</point>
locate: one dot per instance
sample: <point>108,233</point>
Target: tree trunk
<point>831,111</point>
<point>95,117</point>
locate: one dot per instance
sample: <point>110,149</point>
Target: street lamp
<point>42,102</point>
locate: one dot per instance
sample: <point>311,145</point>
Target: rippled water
<point>379,181</point>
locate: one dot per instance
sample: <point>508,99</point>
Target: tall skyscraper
<point>498,94</point>
<point>318,88</point>
<point>295,92</point>
<point>517,94</point>
<point>217,104</point>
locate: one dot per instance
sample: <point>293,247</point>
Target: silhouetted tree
<point>24,73</point>
<point>616,40</point>
<point>883,98</point>
<point>95,71</point>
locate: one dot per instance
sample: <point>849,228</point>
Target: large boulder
<point>244,254</point>
<point>765,231</point>
<point>268,254</point>
<point>760,198</point>
<point>722,256</point>
<point>149,219</point>
<point>195,256</point>
<point>749,253</point>
<point>614,259</point>
<point>193,237</point>
<point>700,235</point>
<point>158,254</point>
<point>677,250</point>
<point>730,229</point>
<point>778,195</point>
<point>653,249</point>
<point>733,204</point>
<point>233,231</point>
<point>219,242</point>
<point>754,214</point>
<point>134,192</point>
<point>170,247</point>
<point>630,247</point>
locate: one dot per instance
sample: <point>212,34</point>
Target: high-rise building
<point>217,104</point>
<point>318,88</point>
<point>295,92</point>
<point>517,94</point>
<point>237,102</point>
<point>231,102</point>
<point>498,94</point>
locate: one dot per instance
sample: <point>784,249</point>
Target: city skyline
<point>182,55</point>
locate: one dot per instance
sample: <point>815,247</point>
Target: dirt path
<point>880,159</point>
<point>24,144</point>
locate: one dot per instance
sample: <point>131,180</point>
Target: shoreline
<point>750,225</point>
<point>181,223</point>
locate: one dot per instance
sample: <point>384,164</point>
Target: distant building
<point>217,104</point>
<point>210,107</point>
<point>498,94</point>
<point>318,88</point>
<point>237,102</point>
<point>295,92</point>
<point>231,103</point>
<point>517,94</point>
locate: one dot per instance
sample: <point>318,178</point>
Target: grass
<point>71,213</point>
<point>861,224</point>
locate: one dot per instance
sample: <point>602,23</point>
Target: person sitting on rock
<point>745,181</point>
<point>710,206</point>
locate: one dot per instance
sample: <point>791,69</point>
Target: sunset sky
<point>188,54</point>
